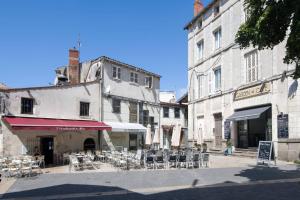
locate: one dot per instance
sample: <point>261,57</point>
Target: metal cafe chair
<point>172,160</point>
<point>205,160</point>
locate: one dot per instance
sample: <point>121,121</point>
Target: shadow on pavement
<point>226,190</point>
<point>262,172</point>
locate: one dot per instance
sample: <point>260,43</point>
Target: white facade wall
<point>50,102</point>
<point>233,69</point>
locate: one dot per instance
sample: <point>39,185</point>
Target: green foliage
<point>229,143</point>
<point>268,23</point>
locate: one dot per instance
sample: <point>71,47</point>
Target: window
<point>146,118</point>
<point>148,81</point>
<point>133,77</point>
<point>199,24</point>
<point>216,10</point>
<point>166,112</point>
<point>177,112</point>
<point>84,109</point>
<point>200,48</point>
<point>218,79</point>
<point>251,66</point>
<point>116,104</point>
<point>200,86</point>
<point>26,106</point>
<point>141,113</point>
<point>151,121</point>
<point>116,72</point>
<point>210,83</point>
<point>132,112</point>
<point>217,36</point>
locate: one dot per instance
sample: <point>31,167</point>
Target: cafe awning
<point>126,127</point>
<point>26,123</point>
<point>253,113</point>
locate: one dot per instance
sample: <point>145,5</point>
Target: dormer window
<point>199,24</point>
<point>216,9</point>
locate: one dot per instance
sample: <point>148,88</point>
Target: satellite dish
<point>107,90</point>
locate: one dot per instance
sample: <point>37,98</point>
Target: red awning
<point>24,123</point>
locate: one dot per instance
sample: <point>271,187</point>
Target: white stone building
<point>172,113</point>
<point>249,93</point>
<point>97,104</point>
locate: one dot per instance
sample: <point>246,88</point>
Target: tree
<point>268,23</point>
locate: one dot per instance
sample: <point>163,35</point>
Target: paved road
<point>228,183</point>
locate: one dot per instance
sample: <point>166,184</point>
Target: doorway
<point>47,147</point>
<point>89,145</point>
<point>218,130</point>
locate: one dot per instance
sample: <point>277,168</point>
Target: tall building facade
<point>244,95</point>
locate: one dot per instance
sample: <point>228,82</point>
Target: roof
<point>171,104</point>
<point>200,14</point>
<point>49,87</point>
<point>182,98</point>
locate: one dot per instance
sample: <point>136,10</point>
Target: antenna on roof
<point>79,45</point>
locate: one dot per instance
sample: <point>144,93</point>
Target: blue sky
<point>35,37</point>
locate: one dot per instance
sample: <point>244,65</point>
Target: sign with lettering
<point>265,150</point>
<point>253,91</point>
<point>227,131</point>
<point>283,126</point>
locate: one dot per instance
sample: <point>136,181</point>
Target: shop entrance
<point>47,147</point>
<point>251,131</point>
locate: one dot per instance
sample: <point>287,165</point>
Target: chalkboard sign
<point>265,151</point>
<point>227,132</point>
<point>283,126</point>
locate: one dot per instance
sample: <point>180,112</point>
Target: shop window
<point>151,122</point>
<point>26,105</point>
<point>166,112</point>
<point>132,112</point>
<point>141,113</point>
<point>84,109</point>
<point>132,142</point>
<point>177,112</point>
<point>116,105</point>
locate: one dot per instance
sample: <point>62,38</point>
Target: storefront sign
<point>227,132</point>
<point>283,126</point>
<point>265,151</point>
<point>70,129</point>
<point>253,91</point>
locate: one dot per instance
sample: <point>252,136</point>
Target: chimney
<point>198,7</point>
<point>74,66</point>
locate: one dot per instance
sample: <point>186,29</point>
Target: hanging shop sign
<point>253,91</point>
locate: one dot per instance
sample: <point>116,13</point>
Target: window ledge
<point>85,117</point>
<point>117,79</point>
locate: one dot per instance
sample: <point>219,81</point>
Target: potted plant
<point>228,147</point>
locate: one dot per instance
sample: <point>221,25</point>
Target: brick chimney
<point>74,66</point>
<point>198,7</point>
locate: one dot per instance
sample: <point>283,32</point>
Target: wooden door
<point>218,130</point>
